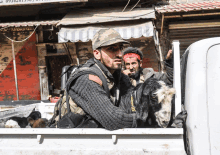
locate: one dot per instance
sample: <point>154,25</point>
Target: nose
<point>166,123</point>
<point>131,66</point>
<point>119,54</point>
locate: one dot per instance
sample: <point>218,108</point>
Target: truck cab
<point>200,77</point>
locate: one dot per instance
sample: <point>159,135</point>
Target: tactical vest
<point>64,105</point>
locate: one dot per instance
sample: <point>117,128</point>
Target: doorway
<point>54,70</point>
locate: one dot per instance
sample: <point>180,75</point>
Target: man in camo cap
<point>105,37</point>
<point>88,90</point>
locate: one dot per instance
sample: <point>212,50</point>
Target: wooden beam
<point>161,31</point>
<point>192,15</point>
<point>40,34</point>
<point>194,25</point>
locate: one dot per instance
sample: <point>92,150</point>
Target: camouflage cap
<point>105,37</point>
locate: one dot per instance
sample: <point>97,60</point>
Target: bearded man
<point>133,67</point>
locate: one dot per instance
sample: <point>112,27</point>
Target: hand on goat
<point>179,119</point>
<point>142,111</point>
<point>169,54</point>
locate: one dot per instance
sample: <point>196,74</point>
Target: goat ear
<point>161,98</point>
<point>156,114</point>
<point>172,91</point>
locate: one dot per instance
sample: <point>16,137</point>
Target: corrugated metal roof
<point>189,7</point>
<point>85,34</point>
<point>91,16</point>
<point>32,23</point>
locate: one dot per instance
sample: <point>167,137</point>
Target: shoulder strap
<point>87,70</point>
<point>83,71</point>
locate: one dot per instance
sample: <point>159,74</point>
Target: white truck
<point>200,136</point>
<point>200,90</point>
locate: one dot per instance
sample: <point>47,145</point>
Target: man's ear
<point>97,54</point>
<point>140,63</point>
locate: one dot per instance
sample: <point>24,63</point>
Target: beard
<point>111,65</point>
<point>137,74</point>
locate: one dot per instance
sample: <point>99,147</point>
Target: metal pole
<point>176,74</point>
<point>15,73</point>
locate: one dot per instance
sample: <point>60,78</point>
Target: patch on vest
<point>95,79</point>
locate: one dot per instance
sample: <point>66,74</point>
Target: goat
<point>22,122</point>
<point>39,123</point>
<point>151,101</point>
<point>12,124</point>
<point>35,115</point>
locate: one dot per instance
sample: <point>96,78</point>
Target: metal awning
<point>86,33</point>
<point>92,16</point>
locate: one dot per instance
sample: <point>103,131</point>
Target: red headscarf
<point>128,55</point>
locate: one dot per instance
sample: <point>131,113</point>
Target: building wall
<point>84,51</point>
<point>187,32</point>
<point>146,45</point>
<point>52,57</point>
<point>165,42</point>
<point>26,64</point>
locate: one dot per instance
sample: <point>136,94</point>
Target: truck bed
<point>92,141</point>
<point>48,141</point>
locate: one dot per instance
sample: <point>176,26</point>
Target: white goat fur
<point>164,95</point>
<point>11,124</point>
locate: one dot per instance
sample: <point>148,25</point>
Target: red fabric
<point>128,55</point>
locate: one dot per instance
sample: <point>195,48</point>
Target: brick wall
<point>146,45</point>
<point>26,64</point>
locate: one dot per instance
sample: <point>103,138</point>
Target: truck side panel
<point>200,88</point>
<point>91,141</point>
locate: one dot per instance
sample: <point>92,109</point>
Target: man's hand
<point>169,54</point>
<point>179,119</point>
<point>126,72</point>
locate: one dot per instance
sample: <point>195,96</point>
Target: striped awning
<point>85,34</point>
